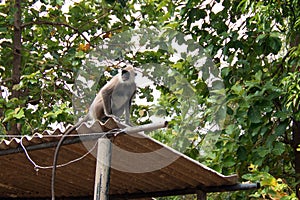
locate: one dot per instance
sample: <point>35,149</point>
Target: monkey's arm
<point>127,109</point>
<point>127,113</point>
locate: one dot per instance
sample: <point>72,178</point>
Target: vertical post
<point>201,195</point>
<point>102,176</point>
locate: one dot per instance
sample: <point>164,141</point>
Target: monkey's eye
<point>124,71</point>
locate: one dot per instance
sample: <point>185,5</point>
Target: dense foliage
<point>255,47</point>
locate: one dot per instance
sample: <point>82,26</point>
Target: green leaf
<point>237,89</point>
<point>281,129</point>
<point>161,5</point>
<point>275,44</point>
<point>80,54</point>
<point>8,115</point>
<point>60,2</point>
<point>225,71</point>
<point>242,153</point>
<point>229,161</point>
<point>251,177</point>
<point>254,115</point>
<point>260,38</point>
<point>263,152</point>
<point>258,75</point>
<point>279,148</point>
<point>19,113</point>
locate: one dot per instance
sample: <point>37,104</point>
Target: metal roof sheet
<point>140,165</point>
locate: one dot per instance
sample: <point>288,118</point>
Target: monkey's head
<point>125,75</point>
<point>128,74</point>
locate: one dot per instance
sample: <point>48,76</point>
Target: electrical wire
<point>37,167</point>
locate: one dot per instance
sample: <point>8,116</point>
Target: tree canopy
<point>252,49</point>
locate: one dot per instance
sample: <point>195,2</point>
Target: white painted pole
<point>102,177</point>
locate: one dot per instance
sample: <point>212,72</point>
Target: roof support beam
<point>226,188</point>
<point>201,195</point>
<point>102,169</point>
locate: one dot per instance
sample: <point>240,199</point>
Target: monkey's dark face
<point>125,75</point>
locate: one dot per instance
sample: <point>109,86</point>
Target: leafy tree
<point>257,44</point>
<point>42,48</point>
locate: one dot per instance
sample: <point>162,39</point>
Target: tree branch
<point>55,24</point>
<point>17,63</point>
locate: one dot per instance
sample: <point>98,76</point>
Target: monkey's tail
<point>55,163</point>
<point>57,152</point>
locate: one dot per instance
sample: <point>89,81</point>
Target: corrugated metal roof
<point>140,165</point>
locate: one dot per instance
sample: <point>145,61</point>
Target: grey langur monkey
<point>115,97</point>
<point>111,102</point>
